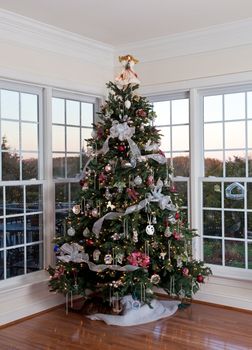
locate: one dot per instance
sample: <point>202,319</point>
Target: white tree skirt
<point>131,317</point>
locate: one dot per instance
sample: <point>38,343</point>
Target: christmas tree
<point>126,233</point>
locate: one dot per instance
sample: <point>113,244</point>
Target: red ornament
<point>81,182</point>
<point>200,279</point>
<point>150,180</point>
<point>177,216</point>
<point>121,148</point>
<point>141,113</point>
<point>132,194</point>
<point>102,177</point>
<point>173,189</point>
<point>89,242</point>
<point>176,235</point>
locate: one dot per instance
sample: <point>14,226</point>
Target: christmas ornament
<point>179,261</point>
<point>89,242</point>
<point>138,180</point>
<point>110,205</point>
<point>155,279</point>
<point>150,230</point>
<point>133,162</point>
<point>95,212</point>
<point>71,231</point>
<point>141,113</point>
<point>81,182</point>
<point>135,236</point>
<point>86,232</point>
<point>200,279</point>
<point>127,76</point>
<point>127,104</point>
<point>96,255</point>
<point>139,259</point>
<point>108,259</point>
<point>133,194</point>
<point>142,127</point>
<point>177,216</point>
<point>56,248</point>
<point>135,304</point>
<point>108,168</point>
<point>150,180</point>
<point>121,148</point>
<point>76,209</point>
<point>126,164</point>
<point>177,235</point>
<point>115,236</point>
<point>102,177</point>
<point>154,219</point>
<point>162,255</point>
<point>85,185</point>
<point>119,258</point>
<point>107,194</point>
<point>185,271</point>
<point>120,185</point>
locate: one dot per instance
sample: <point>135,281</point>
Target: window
<point>227,185</point>
<point>21,186</point>
<point>72,118</point>
<point>173,122</point>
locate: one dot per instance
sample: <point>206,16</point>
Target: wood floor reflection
<point>196,327</point>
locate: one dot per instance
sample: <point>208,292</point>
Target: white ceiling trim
<point>32,33</point>
<point>208,39</point>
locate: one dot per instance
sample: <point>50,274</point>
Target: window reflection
<point>34,228</point>
<point>15,262</point>
<point>14,231</point>
<point>34,258</point>
<point>14,200</point>
<point>213,251</point>
<point>234,254</point>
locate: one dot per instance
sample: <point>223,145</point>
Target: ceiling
<point>118,22</point>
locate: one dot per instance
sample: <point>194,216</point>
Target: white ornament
<point>108,259</point>
<point>119,258</point>
<point>167,232</point>
<point>142,127</point>
<point>138,180</point>
<point>96,255</point>
<point>71,231</point>
<point>95,212</point>
<point>110,205</point>
<point>162,255</point>
<point>135,236</point>
<point>86,232</point>
<point>127,104</point>
<point>150,230</point>
<point>76,209</point>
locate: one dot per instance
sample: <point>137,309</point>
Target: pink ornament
<point>185,271</point>
<point>176,235</point>
<point>108,168</point>
<point>141,113</point>
<point>150,180</point>
<point>139,259</point>
<point>200,279</point>
<point>102,177</point>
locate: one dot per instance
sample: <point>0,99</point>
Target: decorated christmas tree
<point>126,233</point>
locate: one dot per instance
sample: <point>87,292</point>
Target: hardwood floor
<point>197,327</point>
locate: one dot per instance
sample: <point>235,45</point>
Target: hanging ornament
<point>179,261</point>
<point>142,127</point>
<point>115,236</point>
<point>125,164</point>
<point>110,205</point>
<point>150,230</point>
<point>107,194</point>
<point>95,212</point>
<point>133,195</point>
<point>133,162</point>
<point>135,236</point>
<point>119,258</point>
<point>76,209</point>
<point>85,185</point>
<point>108,259</point>
<point>150,180</point>
<point>138,180</point>
<point>108,168</point>
<point>127,104</point>
<point>102,177</point>
<point>155,278</point>
<point>167,232</point>
<point>154,219</point>
<point>200,279</point>
<point>89,242</point>
<point>86,232</point>
<point>185,271</point>
<point>121,148</point>
<point>162,255</point>
<point>71,231</point>
<point>96,255</point>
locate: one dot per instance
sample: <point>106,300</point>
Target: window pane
<point>73,139</point>
<point>1,265</point>
<point>1,233</point>
<point>59,163</point>
<point>181,187</point>
<point>234,135</point>
<point>10,135</point>
<point>181,164</point>
<point>212,194</point>
<point>165,139</point>
<point>234,194</point>
<point>75,191</point>
<point>72,112</point>
<point>15,262</point>
<point>214,163</point>
<point>60,226</point>
<point>235,164</point>
<point>87,114</point>
<point>249,133</point>
<point>180,138</point>
<point>14,200</point>
<point>34,198</point>
<point>10,160</point>
<point>213,251</point>
<point>29,166</point>
<point>61,196</point>
<point>212,223</point>
<point>162,110</point>
<point>14,231</point>
<point>249,195</point>
<point>34,257</point>
<point>250,255</point>
<point>29,107</point>
<point>85,134</point>
<point>180,111</point>
<point>213,108</point>
<point>9,104</point>
<point>1,201</point>
<point>73,165</point>
<point>34,228</point>
<point>234,224</point>
<point>234,254</point>
<point>249,227</point>
<point>213,136</point>
<point>234,106</point>
<point>29,137</point>
<point>58,138</point>
<point>58,110</point>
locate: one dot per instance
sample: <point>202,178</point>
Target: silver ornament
<point>71,231</point>
<point>76,209</point>
<point>154,219</point>
<point>86,232</point>
<point>135,236</point>
<point>96,255</point>
<point>167,232</point>
<point>127,104</point>
<point>108,259</point>
<point>107,194</point>
<point>138,180</point>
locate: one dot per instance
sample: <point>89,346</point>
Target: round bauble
<point>108,168</point>
<point>200,279</point>
<point>71,231</point>
<point>121,148</point>
<point>127,104</point>
<point>95,212</point>
<point>138,180</point>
